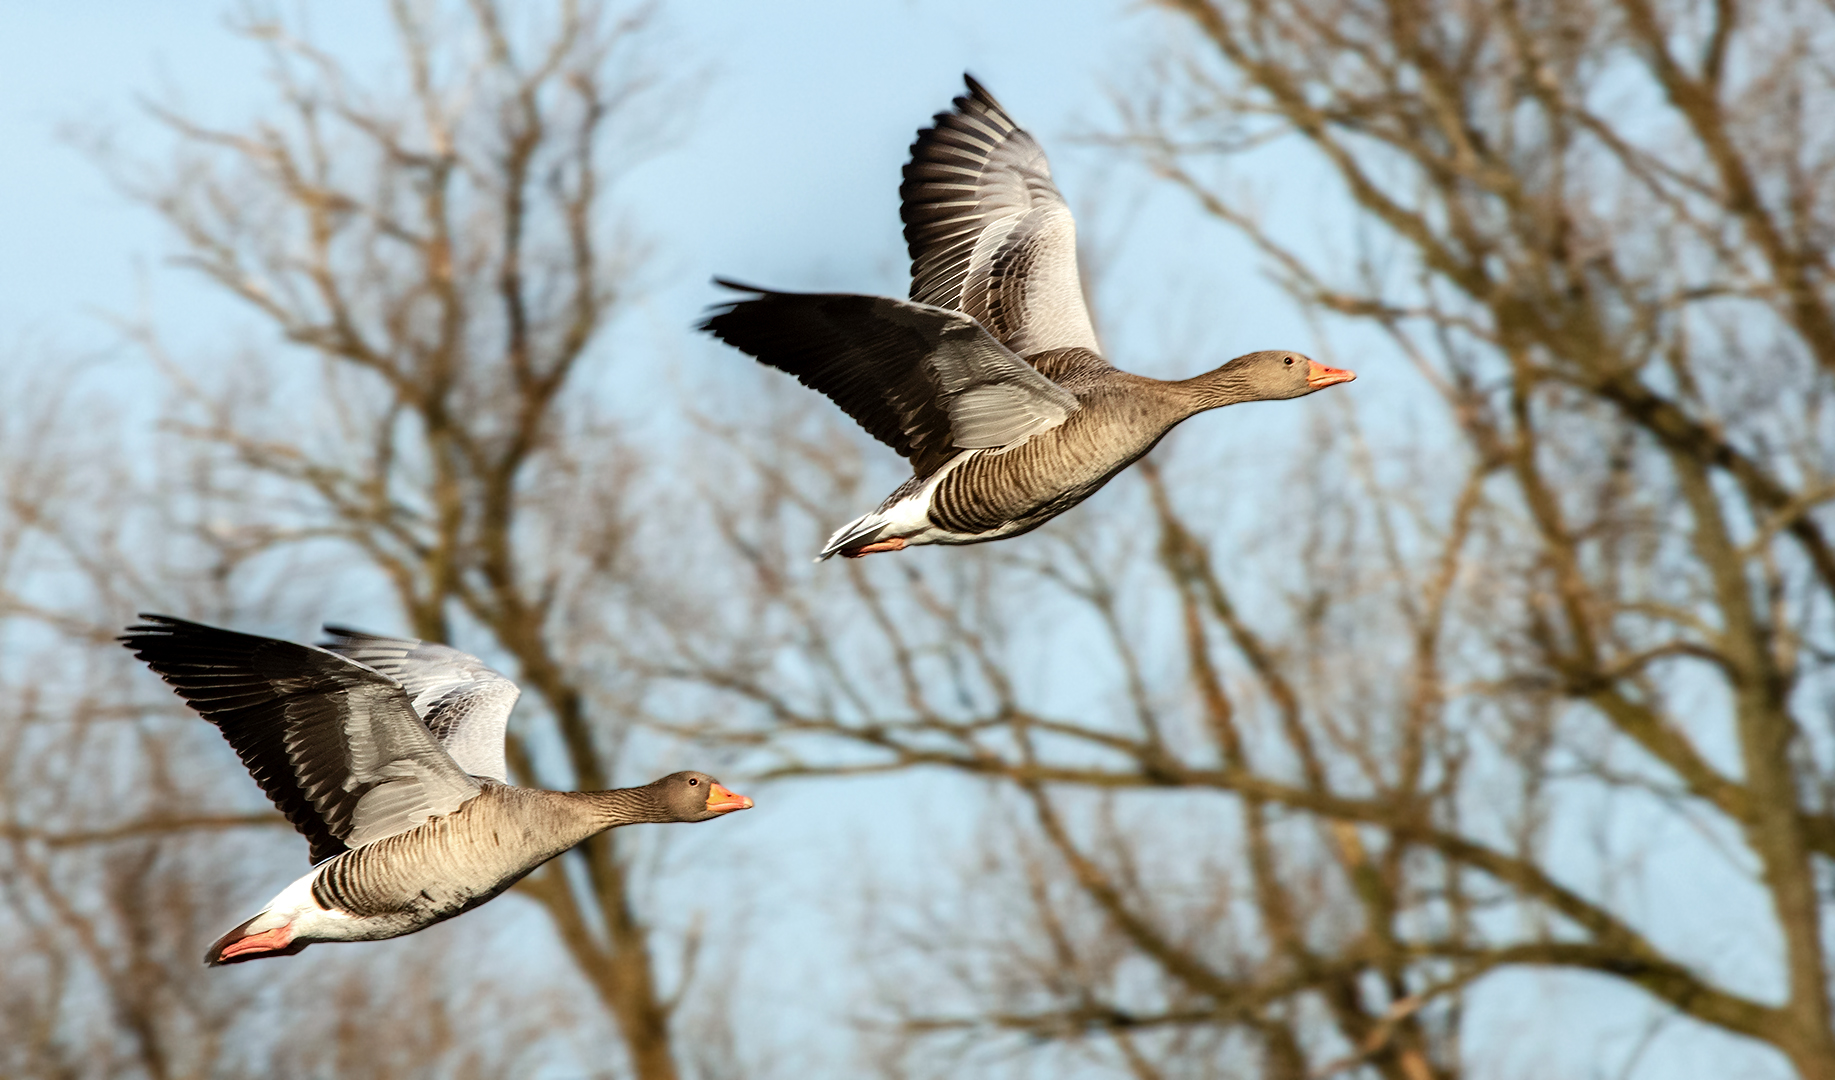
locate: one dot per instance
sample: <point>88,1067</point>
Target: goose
<point>989,378</point>
<point>387,754</point>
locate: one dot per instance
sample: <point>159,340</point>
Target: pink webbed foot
<point>897,543</point>
<point>276,942</point>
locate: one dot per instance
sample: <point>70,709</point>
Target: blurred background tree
<point>440,245</point>
<point>1287,756</point>
<point>1583,603</point>
<point>434,256</point>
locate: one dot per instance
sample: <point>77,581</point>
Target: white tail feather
<point>858,531</point>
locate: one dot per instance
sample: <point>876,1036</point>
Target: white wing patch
<point>1036,271</point>
<point>1000,414</point>
<point>408,795</point>
<point>993,397</point>
<point>413,779</point>
<point>462,701</point>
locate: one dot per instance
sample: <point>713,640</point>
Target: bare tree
<point>436,256</point>
<point>1596,588</point>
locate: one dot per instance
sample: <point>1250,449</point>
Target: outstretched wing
<point>464,703</point>
<point>988,232</point>
<point>923,380</point>
<point>335,745</point>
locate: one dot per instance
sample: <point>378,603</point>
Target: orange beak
<point>1318,376</point>
<point>722,801</point>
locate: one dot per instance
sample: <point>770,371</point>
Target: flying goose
<point>989,379</point>
<point>387,754</point>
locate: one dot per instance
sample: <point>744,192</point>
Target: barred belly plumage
<point>1014,490</point>
<point>441,868</point>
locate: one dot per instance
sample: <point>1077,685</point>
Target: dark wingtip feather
<point>152,623</point>
<point>737,321</point>
<point>739,286</point>
<point>223,675</point>
<point>155,631</point>
<point>977,91</point>
<point>961,103</point>
<point>710,322</point>
<point>170,635</point>
<point>340,631</point>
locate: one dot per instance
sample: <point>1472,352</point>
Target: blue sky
<point>786,171</point>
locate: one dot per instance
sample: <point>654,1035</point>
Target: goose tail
<point>857,533</point>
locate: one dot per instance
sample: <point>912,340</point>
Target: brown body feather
<point>1017,489</point>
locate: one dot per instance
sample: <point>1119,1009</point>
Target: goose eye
<point>692,781</point>
<point>1288,361</point>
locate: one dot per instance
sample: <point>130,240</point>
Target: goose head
<point>1277,374</point>
<point>694,796</point>
<point>1270,375</point>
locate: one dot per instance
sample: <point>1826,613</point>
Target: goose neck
<point>1226,385</point>
<point>624,806</point>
